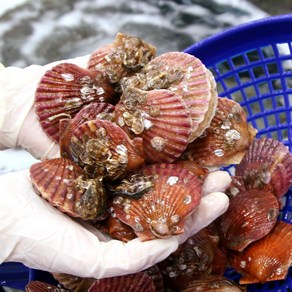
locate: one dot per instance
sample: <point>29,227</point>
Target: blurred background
<point>42,31</point>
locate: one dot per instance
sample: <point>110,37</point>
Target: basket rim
<point>243,37</point>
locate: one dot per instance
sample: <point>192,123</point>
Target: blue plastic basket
<point>252,64</point>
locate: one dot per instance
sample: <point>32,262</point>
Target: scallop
<point>267,165</point>
<point>96,110</point>
<point>226,140</point>
<point>102,148</point>
<point>267,259</point>
<point>63,91</point>
<point>251,215</point>
<point>187,77</point>
<point>64,185</point>
<point>161,211</point>
<point>160,118</point>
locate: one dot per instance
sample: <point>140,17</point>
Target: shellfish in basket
<point>160,118</point>
<point>161,210</point>
<point>126,55</point>
<point>250,216</point>
<point>193,259</point>
<point>267,259</point>
<point>63,91</point>
<point>267,165</point>
<point>226,140</point>
<point>102,148</point>
<point>64,185</point>
<point>187,77</point>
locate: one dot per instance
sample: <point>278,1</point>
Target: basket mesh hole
<point>263,88</point>
<point>267,103</point>
<point>260,123</point>
<point>253,56</point>
<point>250,91</point>
<point>271,120</point>
<point>288,82</point>
<point>238,61</point>
<point>279,101</point>
<point>259,71</point>
<point>230,82</point>
<point>284,49</point>
<point>224,67</point>
<point>272,68</point>
<point>282,118</point>
<point>255,107</point>
<point>244,76</point>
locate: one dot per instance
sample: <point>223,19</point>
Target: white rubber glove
<point>19,125</point>
<point>41,237</point>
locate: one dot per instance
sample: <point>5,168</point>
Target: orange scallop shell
<point>160,118</point>
<point>63,91</point>
<point>250,216</point>
<point>226,140</point>
<point>96,110</point>
<point>139,282</point>
<point>267,259</point>
<point>187,77</point>
<point>267,165</point>
<point>103,148</point>
<point>161,211</point>
<point>127,54</point>
<point>62,183</point>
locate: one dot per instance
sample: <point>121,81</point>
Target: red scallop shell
<point>63,91</point>
<point>62,183</point>
<point>160,118</point>
<point>103,148</point>
<point>267,259</point>
<point>192,259</point>
<point>38,286</point>
<point>139,282</point>
<point>127,54</point>
<point>250,216</point>
<point>161,211</point>
<point>187,77</point>
<point>267,165</point>
<point>226,140</point>
<point>96,110</point>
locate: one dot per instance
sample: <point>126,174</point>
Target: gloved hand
<point>38,235</point>
<point>19,125</point>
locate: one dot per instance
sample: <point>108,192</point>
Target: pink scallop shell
<point>161,211</point>
<point>104,149</point>
<point>251,215</point>
<point>126,55</point>
<point>187,77</point>
<point>63,91</point>
<point>160,118</point>
<point>139,282</point>
<point>267,165</point>
<point>61,182</point>
<point>96,110</point>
